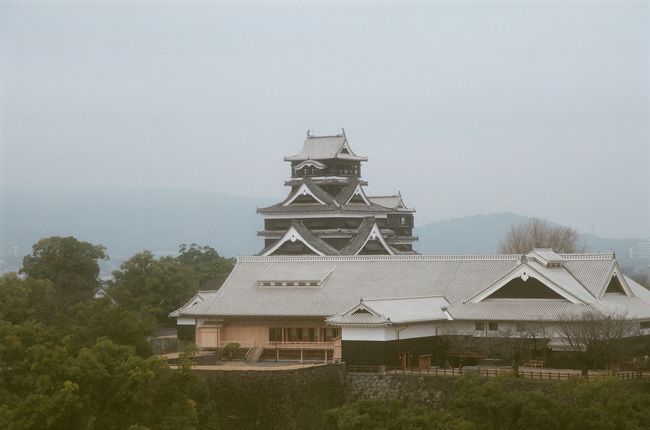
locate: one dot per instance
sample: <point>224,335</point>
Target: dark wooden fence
<point>549,374</point>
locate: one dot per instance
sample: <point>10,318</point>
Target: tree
<point>537,233</point>
<point>210,269</point>
<point>85,322</point>
<point>594,337</point>
<point>26,299</point>
<point>391,415</point>
<point>70,264</point>
<point>158,287</point>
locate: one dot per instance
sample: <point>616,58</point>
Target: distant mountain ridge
<point>129,221</point>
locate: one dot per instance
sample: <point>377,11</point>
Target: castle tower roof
<point>326,148</point>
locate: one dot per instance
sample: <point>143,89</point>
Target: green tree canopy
<point>154,286</point>
<point>70,264</point>
<point>210,269</point>
<point>160,286</point>
<point>25,299</point>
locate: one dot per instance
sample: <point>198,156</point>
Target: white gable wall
<point>409,331</point>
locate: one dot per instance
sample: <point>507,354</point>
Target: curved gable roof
<point>325,148</point>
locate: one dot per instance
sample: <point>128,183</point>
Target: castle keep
<point>327,211</point>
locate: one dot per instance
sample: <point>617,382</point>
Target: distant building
<point>642,251</point>
<point>338,280</point>
<point>102,293</point>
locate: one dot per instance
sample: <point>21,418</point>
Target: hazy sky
<point>538,108</point>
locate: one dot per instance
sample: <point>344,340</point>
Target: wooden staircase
<point>254,353</point>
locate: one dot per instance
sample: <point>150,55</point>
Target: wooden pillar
<point>301,355</point>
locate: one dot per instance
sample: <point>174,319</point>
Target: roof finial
<point>308,133</point>
<point>342,131</point>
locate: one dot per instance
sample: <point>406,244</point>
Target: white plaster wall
<point>185,321</point>
<point>367,333</point>
<point>389,333</point>
<point>411,331</point>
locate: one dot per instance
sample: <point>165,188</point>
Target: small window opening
<point>357,199</point>
<point>305,198</point>
<point>614,286</point>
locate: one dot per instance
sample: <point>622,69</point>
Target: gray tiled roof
<point>324,148</point>
<point>366,319</point>
<point>353,247</point>
<point>399,310</point>
<point>332,204</point>
<point>198,298</point>
<point>315,241</point>
<point>358,241</point>
<point>392,202</point>
<point>512,310</point>
<point>456,278</point>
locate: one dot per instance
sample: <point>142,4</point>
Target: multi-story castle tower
<point>328,212</point>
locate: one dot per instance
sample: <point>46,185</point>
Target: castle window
<point>305,198</point>
<point>479,326</point>
<point>493,327</point>
<point>275,334</point>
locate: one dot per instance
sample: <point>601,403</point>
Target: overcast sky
<point>537,108</point>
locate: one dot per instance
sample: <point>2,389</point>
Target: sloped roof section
<point>326,148</point>
<point>198,298</point>
<point>367,230</point>
<point>276,272</point>
<point>359,320</point>
<point>394,202</point>
<point>393,311</point>
<point>516,310</point>
<point>333,205</point>
<point>298,231</point>
<point>348,191</point>
<point>455,278</point>
<point>309,187</point>
<point>545,256</point>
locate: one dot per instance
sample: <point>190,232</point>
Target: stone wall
<point>428,390</point>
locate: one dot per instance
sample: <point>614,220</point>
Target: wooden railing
<point>549,374</point>
<point>298,345</point>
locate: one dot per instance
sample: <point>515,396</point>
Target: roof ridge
<point>313,136</point>
<point>608,255</point>
<point>296,258</point>
<point>405,298</point>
